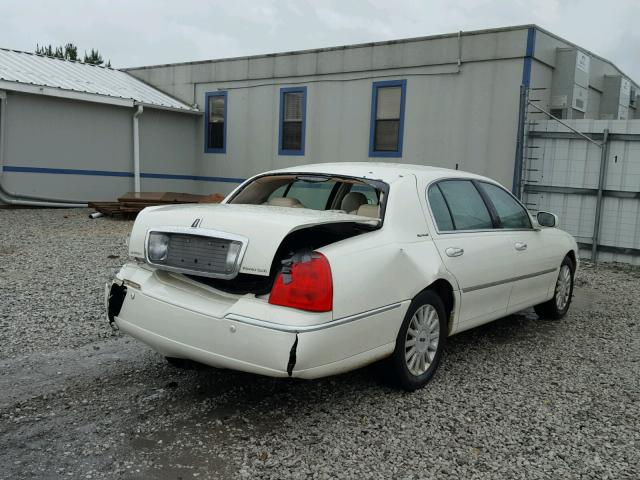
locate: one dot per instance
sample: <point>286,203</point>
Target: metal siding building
<point>462,100</point>
<point>463,114</point>
<point>66,131</point>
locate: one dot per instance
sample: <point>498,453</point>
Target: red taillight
<point>307,285</point>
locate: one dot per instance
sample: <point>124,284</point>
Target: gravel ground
<point>518,398</point>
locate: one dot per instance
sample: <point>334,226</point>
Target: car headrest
<point>352,201</point>
<point>285,202</point>
<point>372,211</point>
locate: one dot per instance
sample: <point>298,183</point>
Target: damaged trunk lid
<point>263,227</point>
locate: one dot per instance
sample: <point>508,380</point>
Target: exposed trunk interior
<point>310,238</point>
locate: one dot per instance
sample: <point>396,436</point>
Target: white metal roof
<point>31,73</point>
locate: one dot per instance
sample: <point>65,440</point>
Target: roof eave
<point>192,111</point>
<point>62,93</point>
<point>85,96</point>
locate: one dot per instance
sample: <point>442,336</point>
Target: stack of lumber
<point>130,204</point>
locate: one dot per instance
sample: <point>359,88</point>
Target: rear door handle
<point>520,246</point>
<point>454,251</point>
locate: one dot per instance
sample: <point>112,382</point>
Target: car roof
<point>387,172</point>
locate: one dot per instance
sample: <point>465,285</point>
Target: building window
<point>387,118</point>
<point>293,112</point>
<point>215,135</point>
<point>557,112</point>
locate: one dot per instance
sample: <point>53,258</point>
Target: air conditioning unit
<point>580,95</point>
<point>616,98</point>
<point>570,84</point>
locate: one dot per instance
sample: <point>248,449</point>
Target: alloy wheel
<point>563,287</point>
<point>421,342</point>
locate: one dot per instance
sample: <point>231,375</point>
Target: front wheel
<point>558,306</point>
<point>420,342</point>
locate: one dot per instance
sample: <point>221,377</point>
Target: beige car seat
<point>372,211</point>
<point>352,201</point>
<point>290,202</point>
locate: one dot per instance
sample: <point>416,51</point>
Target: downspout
<point>3,116</point>
<point>10,198</point>
<point>136,148</point>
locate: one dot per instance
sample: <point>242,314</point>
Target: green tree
<point>94,58</point>
<point>70,52</point>
<point>46,51</point>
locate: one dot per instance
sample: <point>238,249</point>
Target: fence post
<point>604,155</point>
<point>519,160</point>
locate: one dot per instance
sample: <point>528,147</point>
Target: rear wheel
<point>558,306</point>
<point>420,342</point>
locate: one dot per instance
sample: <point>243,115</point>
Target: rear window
<point>314,195</point>
<point>368,191</point>
<point>317,192</point>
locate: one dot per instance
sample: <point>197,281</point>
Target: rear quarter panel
<point>388,265</point>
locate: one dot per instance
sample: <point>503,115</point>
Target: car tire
<point>558,306</point>
<point>419,350</point>
<point>185,363</point>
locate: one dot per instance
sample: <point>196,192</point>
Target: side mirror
<point>546,219</point>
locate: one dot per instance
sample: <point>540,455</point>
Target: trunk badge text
<point>196,223</point>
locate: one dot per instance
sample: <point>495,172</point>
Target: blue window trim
<point>302,90</point>
<point>206,123</point>
<point>374,110</point>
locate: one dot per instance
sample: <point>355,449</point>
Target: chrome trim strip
<point>508,280</point>
<point>203,232</point>
<point>309,328</point>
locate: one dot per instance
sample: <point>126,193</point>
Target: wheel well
<point>445,292</point>
<point>572,257</point>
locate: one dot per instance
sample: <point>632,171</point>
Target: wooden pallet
<point>130,204</point>
<point>110,209</point>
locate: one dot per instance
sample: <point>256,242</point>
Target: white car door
<point>536,260</point>
<point>478,255</point>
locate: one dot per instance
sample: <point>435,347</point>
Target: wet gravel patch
<point>53,267</point>
<point>518,398</point>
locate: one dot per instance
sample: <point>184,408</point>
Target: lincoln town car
<point>316,270</point>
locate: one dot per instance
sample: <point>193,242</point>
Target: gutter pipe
<point>36,203</point>
<point>11,198</point>
<point>136,148</point>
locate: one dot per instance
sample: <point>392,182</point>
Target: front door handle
<point>520,246</point>
<point>454,251</point>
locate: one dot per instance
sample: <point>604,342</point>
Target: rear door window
<point>510,212</point>
<point>466,206</point>
<point>440,210</point>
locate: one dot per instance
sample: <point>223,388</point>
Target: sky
<point>147,32</point>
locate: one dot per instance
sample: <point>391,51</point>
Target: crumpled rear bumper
<point>179,319</point>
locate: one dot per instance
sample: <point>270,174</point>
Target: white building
<point>447,100</point>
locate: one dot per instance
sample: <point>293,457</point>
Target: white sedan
<point>316,270</point>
